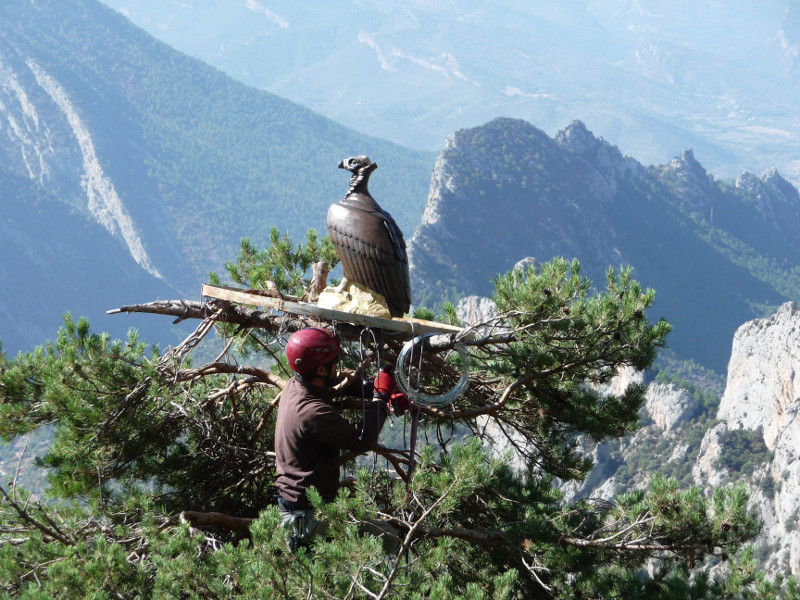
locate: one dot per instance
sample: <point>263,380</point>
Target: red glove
<point>384,384</point>
<point>398,404</point>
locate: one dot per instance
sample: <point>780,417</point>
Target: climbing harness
<point>300,524</point>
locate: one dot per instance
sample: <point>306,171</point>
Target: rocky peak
<point>669,405</point>
<point>605,160</point>
<point>775,198</point>
<point>776,181</point>
<point>690,180</point>
<point>748,182</point>
<point>482,182</point>
<point>784,201</point>
<point>576,138</point>
<point>526,263</point>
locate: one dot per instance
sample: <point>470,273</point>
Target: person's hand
<point>385,384</point>
<point>398,404</point>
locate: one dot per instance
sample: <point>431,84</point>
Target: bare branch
<point>49,528</point>
<point>216,519</point>
<point>236,314</point>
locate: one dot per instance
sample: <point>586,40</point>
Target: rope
<point>412,459</point>
<point>361,372</point>
<point>403,372</point>
<point>405,363</point>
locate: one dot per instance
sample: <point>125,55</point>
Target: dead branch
<point>47,526</point>
<point>235,314</point>
<point>216,520</point>
<point>319,280</point>
<point>220,368</point>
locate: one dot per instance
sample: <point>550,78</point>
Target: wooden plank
<point>404,325</point>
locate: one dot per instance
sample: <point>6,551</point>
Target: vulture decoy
<point>368,241</point>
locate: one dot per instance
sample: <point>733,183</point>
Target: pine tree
<point>160,472</point>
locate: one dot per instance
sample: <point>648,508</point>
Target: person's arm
<point>358,388</point>
<point>331,428</point>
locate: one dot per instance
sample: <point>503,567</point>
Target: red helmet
<point>309,348</point>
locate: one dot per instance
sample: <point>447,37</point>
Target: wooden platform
<point>410,326</point>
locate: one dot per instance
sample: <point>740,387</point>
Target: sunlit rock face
<point>763,395</point>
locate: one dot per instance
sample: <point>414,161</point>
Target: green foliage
<point>160,471</point>
<point>448,315</point>
<point>116,422</point>
<point>685,513</point>
<point>283,264</point>
<point>282,267</point>
<point>422,312</point>
<point>568,336</point>
<point>743,450</point>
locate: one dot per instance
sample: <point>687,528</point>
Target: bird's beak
<point>341,164</point>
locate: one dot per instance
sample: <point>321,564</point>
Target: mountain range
<point>128,170</point>
<point>652,77</point>
<point>718,253</point>
<point>134,169</point>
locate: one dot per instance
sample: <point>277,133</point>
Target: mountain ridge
<point>510,191</point>
<point>717,77</point>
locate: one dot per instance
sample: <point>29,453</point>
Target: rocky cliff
<point>507,190</point>
<point>761,401</point>
<point>754,437</point>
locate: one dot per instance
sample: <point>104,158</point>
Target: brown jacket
<point>309,435</point>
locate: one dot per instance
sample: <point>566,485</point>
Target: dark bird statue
<point>368,241</point>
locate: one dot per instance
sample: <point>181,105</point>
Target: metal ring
<point>424,399</point>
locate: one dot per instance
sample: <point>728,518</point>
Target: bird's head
<point>356,164</point>
<point>360,167</point>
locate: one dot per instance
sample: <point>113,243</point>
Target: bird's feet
<point>341,289</point>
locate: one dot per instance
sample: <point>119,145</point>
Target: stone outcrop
<point>475,309</point>
<point>763,395</point>
<point>666,411</point>
<point>669,405</point>
<point>690,181</point>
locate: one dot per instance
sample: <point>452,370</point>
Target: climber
<point>309,432</point>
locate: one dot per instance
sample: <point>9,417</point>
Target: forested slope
<point>174,159</point>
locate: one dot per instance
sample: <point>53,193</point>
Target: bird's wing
<point>373,253</point>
